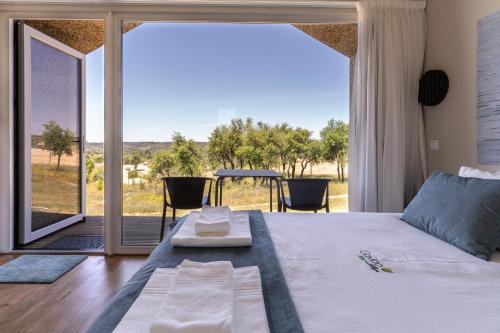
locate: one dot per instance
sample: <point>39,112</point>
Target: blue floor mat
<point>38,268</point>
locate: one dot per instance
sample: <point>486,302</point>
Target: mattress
<point>434,287</point>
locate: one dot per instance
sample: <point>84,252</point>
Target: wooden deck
<point>137,231</point>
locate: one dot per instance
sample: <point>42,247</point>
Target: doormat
<point>77,242</point>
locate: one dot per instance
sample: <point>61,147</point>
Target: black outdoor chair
<point>306,194</point>
<point>184,193</point>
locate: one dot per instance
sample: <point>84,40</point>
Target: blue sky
<point>191,77</point>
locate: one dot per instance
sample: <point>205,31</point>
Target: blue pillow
<point>462,211</point>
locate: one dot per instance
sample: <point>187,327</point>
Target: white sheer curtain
<point>386,144</point>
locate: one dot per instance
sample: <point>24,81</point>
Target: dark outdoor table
<point>247,173</point>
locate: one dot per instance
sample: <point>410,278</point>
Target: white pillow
<point>476,173</point>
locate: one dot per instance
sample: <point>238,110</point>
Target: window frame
<point>294,12</point>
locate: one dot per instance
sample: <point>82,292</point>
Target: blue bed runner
<point>281,314</point>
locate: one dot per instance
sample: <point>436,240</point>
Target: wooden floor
<point>137,230</point>
<point>71,303</point>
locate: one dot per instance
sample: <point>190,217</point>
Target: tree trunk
<point>338,171</point>
<point>58,161</point>
<point>304,167</point>
<point>342,171</point>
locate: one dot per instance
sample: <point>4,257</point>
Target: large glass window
<point>203,97</point>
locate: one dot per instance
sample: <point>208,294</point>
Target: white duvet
<point>435,287</point>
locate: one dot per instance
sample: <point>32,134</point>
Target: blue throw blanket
<point>281,313</point>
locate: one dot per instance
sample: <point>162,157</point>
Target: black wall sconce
<point>433,87</point>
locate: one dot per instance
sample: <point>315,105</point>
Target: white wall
<point>451,46</point>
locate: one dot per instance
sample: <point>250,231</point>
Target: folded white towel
<point>213,219</point>
<point>238,235</point>
<point>249,313</point>
<point>200,300</point>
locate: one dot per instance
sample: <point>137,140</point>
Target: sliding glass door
<point>51,171</point>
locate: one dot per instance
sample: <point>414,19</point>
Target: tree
<point>132,174</point>
<point>298,141</point>
<point>223,145</point>
<point>162,163</point>
<point>57,140</point>
<point>335,137</point>
<point>187,155</point>
<point>279,139</point>
<point>236,130</point>
<point>312,155</point>
<point>217,148</point>
<point>98,177</point>
<point>90,166</point>
<point>134,159</point>
<point>250,150</point>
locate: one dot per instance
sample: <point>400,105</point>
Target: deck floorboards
<point>137,231</point>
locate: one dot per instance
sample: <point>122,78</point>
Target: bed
<point>434,287</point>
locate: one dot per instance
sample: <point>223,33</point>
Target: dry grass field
<point>145,200</point>
<point>56,191</point>
<point>41,156</point>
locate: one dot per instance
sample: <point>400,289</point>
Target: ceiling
<point>88,35</point>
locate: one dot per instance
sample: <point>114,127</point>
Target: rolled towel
<point>200,300</point>
<point>213,220</point>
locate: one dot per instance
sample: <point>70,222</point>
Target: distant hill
<point>131,147</point>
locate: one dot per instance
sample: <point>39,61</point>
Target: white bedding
<point>435,287</point>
